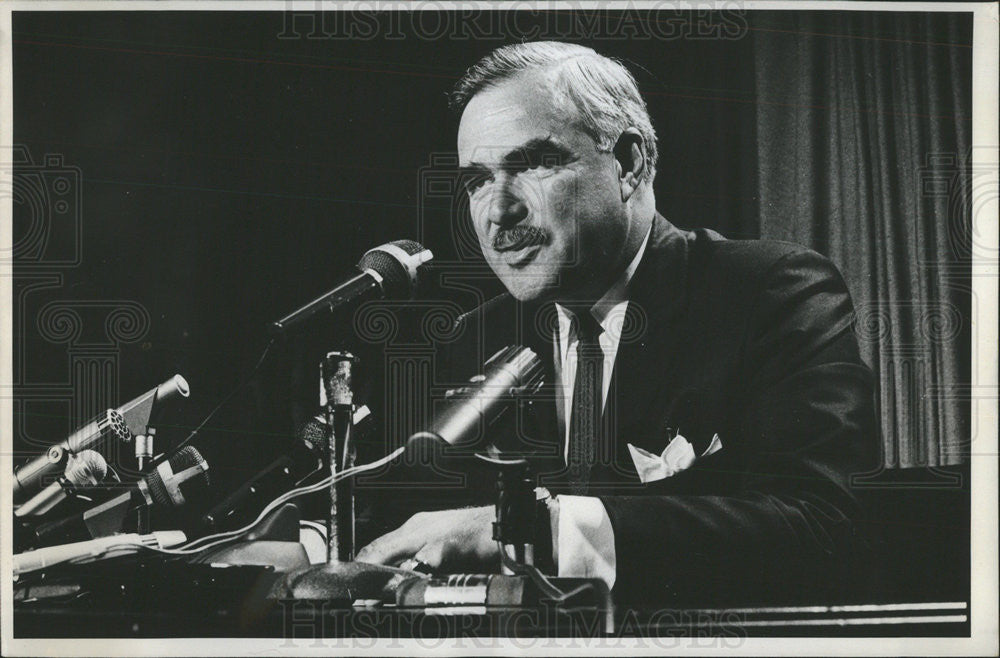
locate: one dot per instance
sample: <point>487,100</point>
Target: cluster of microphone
<point>76,467</point>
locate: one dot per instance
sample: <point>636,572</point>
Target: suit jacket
<point>750,340</point>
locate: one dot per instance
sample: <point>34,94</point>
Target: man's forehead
<point>508,116</point>
<point>487,131</point>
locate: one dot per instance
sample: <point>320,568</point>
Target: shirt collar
<point>616,294</point>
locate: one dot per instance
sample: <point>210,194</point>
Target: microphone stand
<point>335,370</point>
<point>143,455</point>
<point>140,415</point>
<point>341,581</point>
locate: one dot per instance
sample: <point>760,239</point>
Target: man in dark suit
<point>705,403</point>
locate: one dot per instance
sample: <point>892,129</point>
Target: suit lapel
<point>657,297</point>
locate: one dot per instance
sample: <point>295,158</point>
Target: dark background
<point>226,167</point>
<point>229,175</point>
<point>231,166</point>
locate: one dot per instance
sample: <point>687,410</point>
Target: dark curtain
<point>864,124</point>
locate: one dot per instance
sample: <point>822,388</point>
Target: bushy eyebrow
<point>532,150</point>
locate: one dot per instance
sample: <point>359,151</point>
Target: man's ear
<point>631,158</point>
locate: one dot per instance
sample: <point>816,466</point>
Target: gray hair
<point>603,91</point>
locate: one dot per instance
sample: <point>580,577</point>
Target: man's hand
<point>448,540</point>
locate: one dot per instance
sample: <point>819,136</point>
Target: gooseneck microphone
<point>84,469</point>
<point>41,470</point>
<point>388,271</point>
<point>169,485</point>
<point>513,371</point>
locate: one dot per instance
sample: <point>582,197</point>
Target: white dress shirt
<point>584,545</point>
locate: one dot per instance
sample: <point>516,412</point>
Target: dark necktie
<point>585,421</point>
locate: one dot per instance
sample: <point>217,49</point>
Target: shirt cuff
<point>585,543</point>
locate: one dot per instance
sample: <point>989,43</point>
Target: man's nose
<point>506,208</point>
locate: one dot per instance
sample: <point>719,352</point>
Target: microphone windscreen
<point>313,434</point>
<point>164,493</point>
<point>411,247</point>
<point>86,468</point>
<point>185,458</point>
<point>396,262</point>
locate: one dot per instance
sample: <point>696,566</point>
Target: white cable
<point>114,547</point>
<point>45,557</point>
<point>222,537</point>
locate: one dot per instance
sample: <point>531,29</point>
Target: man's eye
<point>525,161</point>
<point>473,182</point>
<point>531,160</point>
<point>545,159</point>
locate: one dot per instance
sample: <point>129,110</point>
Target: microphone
<point>137,413</point>
<point>313,432</point>
<point>32,476</point>
<point>389,270</point>
<point>511,372</point>
<point>85,469</point>
<point>169,485</point>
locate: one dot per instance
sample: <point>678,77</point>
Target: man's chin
<point>529,289</point>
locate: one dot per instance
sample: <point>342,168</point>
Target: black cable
<point>246,380</point>
<point>321,533</point>
<point>114,473</point>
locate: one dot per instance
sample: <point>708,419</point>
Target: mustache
<point>518,237</point>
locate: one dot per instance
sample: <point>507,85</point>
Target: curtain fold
<point>863,125</point>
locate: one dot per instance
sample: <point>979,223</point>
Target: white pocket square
<point>676,457</point>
